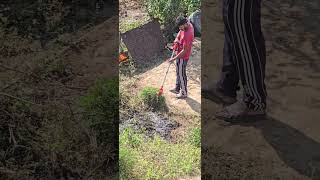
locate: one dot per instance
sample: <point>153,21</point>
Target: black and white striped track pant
<point>244,51</point>
<point>181,81</point>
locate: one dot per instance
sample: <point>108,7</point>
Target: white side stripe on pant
<point>236,22</point>
<point>239,12</point>
<point>182,79</point>
<point>256,48</point>
<point>249,55</point>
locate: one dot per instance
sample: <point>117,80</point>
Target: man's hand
<point>170,60</point>
<point>175,46</point>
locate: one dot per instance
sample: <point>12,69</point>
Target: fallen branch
<point>10,68</point>
<point>12,172</point>
<point>10,84</point>
<point>7,171</point>
<point>17,98</point>
<point>38,77</point>
<point>12,138</point>
<point>96,168</point>
<point>16,70</point>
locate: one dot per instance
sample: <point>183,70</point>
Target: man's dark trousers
<point>244,52</point>
<point>182,80</point>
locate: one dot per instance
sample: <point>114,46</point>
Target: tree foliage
<point>167,11</point>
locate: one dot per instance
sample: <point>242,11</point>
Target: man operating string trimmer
<point>182,46</point>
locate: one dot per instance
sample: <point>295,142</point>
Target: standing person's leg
<point>184,75</point>
<point>249,46</point>
<point>225,90</point>
<point>178,81</point>
<point>183,78</point>
<point>229,77</point>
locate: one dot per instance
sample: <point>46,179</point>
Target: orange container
<point>122,57</point>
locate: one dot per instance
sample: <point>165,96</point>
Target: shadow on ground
<point>297,150</point>
<point>195,105</point>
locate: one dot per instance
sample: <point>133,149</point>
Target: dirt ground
<point>153,75</point>
<point>286,145</point>
<point>154,78</point>
<point>95,45</point>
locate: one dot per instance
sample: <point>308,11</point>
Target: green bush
<point>164,10</point>
<point>191,6</point>
<point>149,96</point>
<point>101,106</point>
<point>167,11</point>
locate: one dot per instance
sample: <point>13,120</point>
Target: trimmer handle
<point>175,47</point>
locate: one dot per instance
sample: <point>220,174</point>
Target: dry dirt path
<point>287,144</point>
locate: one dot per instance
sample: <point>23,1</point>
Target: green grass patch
<point>156,159</point>
<point>149,96</point>
<point>127,26</point>
<point>130,24</point>
<point>194,136</point>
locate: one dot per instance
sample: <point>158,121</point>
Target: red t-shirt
<point>185,38</point>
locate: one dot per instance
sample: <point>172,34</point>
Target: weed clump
<point>149,96</point>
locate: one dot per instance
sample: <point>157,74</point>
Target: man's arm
<point>181,53</point>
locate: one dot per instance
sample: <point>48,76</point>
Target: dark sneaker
<point>217,96</point>
<point>239,112</point>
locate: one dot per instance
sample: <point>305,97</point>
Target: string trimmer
<point>164,79</point>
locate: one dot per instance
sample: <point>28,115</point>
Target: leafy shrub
<point>149,96</point>
<point>167,11</point>
<point>101,106</point>
<point>191,6</point>
<point>164,10</point>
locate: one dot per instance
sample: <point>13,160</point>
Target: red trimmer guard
<point>160,91</point>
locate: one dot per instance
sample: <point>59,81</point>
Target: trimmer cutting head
<point>160,91</point>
